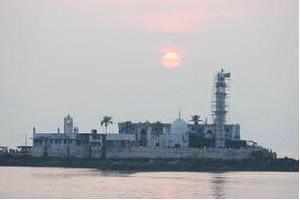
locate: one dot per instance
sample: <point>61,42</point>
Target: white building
<point>68,125</point>
<point>71,143</point>
<point>178,136</point>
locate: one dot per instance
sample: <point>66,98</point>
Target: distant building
<point>146,134</point>
<point>68,125</point>
<point>71,143</point>
<point>178,139</point>
<point>24,150</point>
<point>3,150</point>
<point>178,134</point>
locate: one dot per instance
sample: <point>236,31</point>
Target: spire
<point>179,114</point>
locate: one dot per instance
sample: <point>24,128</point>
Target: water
<point>37,182</point>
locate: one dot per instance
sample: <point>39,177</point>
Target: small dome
<point>179,126</point>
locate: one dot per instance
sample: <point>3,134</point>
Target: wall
<point>192,153</point>
<point>61,150</point>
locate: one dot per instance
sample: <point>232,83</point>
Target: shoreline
<point>157,165</point>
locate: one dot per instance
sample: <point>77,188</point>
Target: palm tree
<point>158,127</point>
<point>106,121</point>
<point>196,119</point>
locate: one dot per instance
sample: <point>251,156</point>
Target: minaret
<point>68,125</point>
<point>33,131</point>
<point>220,107</point>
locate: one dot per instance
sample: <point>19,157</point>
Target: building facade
<point>178,139</point>
<point>176,134</point>
<point>71,143</point>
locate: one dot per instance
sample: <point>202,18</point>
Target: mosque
<point>195,139</point>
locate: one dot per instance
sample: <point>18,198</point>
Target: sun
<point>171,59</point>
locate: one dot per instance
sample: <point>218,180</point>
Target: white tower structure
<point>220,107</point>
<point>68,125</point>
<point>179,133</point>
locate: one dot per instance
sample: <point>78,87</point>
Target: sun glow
<point>171,59</point>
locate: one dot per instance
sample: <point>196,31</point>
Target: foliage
<point>106,121</point>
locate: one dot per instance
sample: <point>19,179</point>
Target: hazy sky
<point>94,58</point>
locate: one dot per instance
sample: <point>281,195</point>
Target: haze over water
<point>35,182</point>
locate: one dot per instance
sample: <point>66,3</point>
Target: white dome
<point>179,126</point>
<point>179,134</point>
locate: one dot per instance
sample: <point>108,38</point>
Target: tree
<point>106,121</point>
<point>196,119</point>
<point>158,128</point>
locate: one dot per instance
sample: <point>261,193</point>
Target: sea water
<point>44,182</point>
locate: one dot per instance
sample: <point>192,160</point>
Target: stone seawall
<point>179,153</point>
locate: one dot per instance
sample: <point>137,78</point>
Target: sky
<point>94,58</point>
